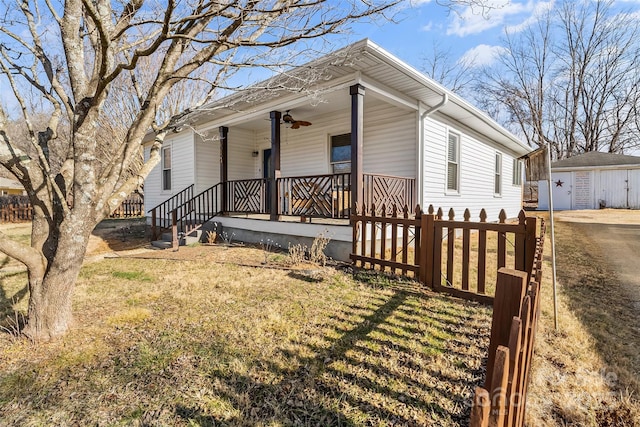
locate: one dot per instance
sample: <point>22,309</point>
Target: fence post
<point>154,230</point>
<point>530,245</point>
<point>511,286</point>
<point>426,250</point>
<point>174,230</point>
<point>521,243</point>
<point>437,252</point>
<point>502,241</point>
<point>417,255</point>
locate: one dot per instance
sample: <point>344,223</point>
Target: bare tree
<point>571,80</point>
<point>74,54</point>
<point>440,64</point>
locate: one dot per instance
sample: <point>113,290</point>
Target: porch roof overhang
<point>363,62</point>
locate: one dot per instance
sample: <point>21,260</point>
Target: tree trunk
<point>50,294</point>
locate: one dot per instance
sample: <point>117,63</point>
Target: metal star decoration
<point>559,183</point>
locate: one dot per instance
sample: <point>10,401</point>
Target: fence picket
<point>394,236</point>
<point>383,234</point>
<point>405,238</point>
<point>451,238</point>
<point>466,249</point>
<point>480,409</point>
<point>482,254</point>
<point>372,221</point>
<point>498,391</point>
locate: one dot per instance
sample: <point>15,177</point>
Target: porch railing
<point>161,214</point>
<point>388,190</point>
<point>192,214</point>
<point>325,196</point>
<point>321,196</point>
<point>247,196</point>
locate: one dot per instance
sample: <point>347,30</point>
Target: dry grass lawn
<point>201,341</point>
<point>205,339</point>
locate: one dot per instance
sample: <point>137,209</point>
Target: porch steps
<point>189,239</point>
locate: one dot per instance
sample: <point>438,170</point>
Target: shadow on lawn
<point>374,364</point>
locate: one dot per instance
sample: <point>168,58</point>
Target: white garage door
<point>619,188</point>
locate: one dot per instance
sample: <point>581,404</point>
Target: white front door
<point>561,189</point>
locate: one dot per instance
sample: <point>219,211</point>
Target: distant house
<point>10,187</point>
<point>593,180</point>
<point>371,130</point>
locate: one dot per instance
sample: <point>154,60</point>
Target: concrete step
<point>166,238</point>
<point>194,234</point>
<point>161,244</point>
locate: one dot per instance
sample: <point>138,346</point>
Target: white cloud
<point>540,9</point>
<point>473,21</point>
<point>427,27</point>
<point>481,55</point>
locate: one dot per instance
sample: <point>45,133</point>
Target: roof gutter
<point>439,105</point>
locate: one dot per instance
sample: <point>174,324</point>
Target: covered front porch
<point>253,167</point>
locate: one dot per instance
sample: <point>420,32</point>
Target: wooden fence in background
<point>16,212</point>
<point>132,207</point>
<point>424,245</point>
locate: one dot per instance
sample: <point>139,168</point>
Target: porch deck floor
<point>293,218</point>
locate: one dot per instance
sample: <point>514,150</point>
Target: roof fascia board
<point>589,168</point>
<point>391,95</point>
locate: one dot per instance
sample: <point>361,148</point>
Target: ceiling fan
<point>295,124</point>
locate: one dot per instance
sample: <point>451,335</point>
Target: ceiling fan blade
<point>303,123</point>
<point>295,125</point>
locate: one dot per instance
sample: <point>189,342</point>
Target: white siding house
<point>420,144</point>
<point>591,181</point>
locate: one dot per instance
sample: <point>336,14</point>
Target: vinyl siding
<point>477,168</point>
<point>390,142</point>
<point>241,161</point>
<point>207,161</point>
<point>182,173</point>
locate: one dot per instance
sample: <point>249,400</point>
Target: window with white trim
<point>453,162</point>
<point>497,188</point>
<point>517,172</point>
<point>340,155</point>
<point>166,168</point>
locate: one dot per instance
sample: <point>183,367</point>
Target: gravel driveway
<point>617,233</point>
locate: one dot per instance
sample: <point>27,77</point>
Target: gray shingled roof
<point>596,158</point>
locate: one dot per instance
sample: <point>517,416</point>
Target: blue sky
<point>464,30</point>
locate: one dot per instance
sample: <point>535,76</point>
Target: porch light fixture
<point>254,154</point>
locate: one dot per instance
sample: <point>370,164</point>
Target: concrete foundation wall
<point>284,234</point>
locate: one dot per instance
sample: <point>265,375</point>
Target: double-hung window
<point>517,172</point>
<point>340,156</point>
<point>166,168</point>
<point>497,187</point>
<point>453,162</point>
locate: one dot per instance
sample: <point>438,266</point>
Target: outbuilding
<point>593,180</point>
